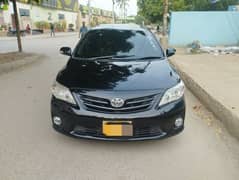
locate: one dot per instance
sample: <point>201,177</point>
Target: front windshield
<point>120,43</point>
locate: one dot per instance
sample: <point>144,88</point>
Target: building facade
<point>46,11</point>
<point>60,12</point>
<point>98,16</point>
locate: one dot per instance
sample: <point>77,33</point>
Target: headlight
<point>173,94</point>
<point>63,93</point>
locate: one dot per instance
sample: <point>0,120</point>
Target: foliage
<point>153,10</point>
<point>71,25</point>
<point>122,3</point>
<point>205,5</point>
<point>60,26</point>
<point>123,6</point>
<point>42,25</point>
<point>94,22</point>
<point>3,27</point>
<point>3,1</point>
<point>33,1</point>
<point>140,20</point>
<point>3,4</point>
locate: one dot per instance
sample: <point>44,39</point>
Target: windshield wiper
<point>110,57</point>
<point>121,57</point>
<point>150,57</point>
<point>100,57</point>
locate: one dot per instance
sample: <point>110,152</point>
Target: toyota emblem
<point>117,102</point>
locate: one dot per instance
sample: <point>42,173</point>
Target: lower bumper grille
<point>147,131</point>
<point>138,131</point>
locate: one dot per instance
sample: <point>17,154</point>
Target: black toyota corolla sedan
<point>118,85</point>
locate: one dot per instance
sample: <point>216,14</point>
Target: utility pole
<point>124,11</point>
<point>165,18</point>
<point>89,12</point>
<point>19,43</point>
<point>113,11</point>
<point>164,40</point>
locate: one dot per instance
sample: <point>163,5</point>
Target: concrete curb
<point>14,65</point>
<point>228,118</point>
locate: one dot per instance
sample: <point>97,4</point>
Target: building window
<point>49,3</point>
<point>24,12</point>
<point>61,16</point>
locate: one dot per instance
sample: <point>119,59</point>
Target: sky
<point>107,5</point>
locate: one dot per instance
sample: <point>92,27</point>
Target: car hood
<point>118,75</point>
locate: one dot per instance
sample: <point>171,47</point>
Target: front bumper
<point>152,124</point>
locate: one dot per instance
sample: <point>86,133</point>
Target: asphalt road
<point>31,150</point>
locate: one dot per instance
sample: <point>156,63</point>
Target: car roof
<point>134,27</point>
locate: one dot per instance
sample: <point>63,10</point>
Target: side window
<point>155,39</point>
<point>61,16</point>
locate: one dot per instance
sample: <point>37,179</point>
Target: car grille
<point>97,104</point>
<point>147,131</point>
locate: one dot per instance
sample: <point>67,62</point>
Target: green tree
<point>3,4</point>
<point>206,5</point>
<point>153,9</point>
<point>140,20</point>
<point>123,4</point>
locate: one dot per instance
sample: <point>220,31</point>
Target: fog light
<point>178,122</point>
<point>57,120</point>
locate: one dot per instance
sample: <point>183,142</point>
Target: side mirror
<point>170,52</point>
<point>66,51</point>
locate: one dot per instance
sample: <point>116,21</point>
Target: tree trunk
<point>89,12</point>
<point>19,43</point>
<point>164,40</point>
<point>165,16</point>
<point>113,11</point>
<point>124,12</point>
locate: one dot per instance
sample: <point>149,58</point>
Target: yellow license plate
<point>117,128</point>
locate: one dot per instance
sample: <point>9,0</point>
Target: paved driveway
<point>31,149</point>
